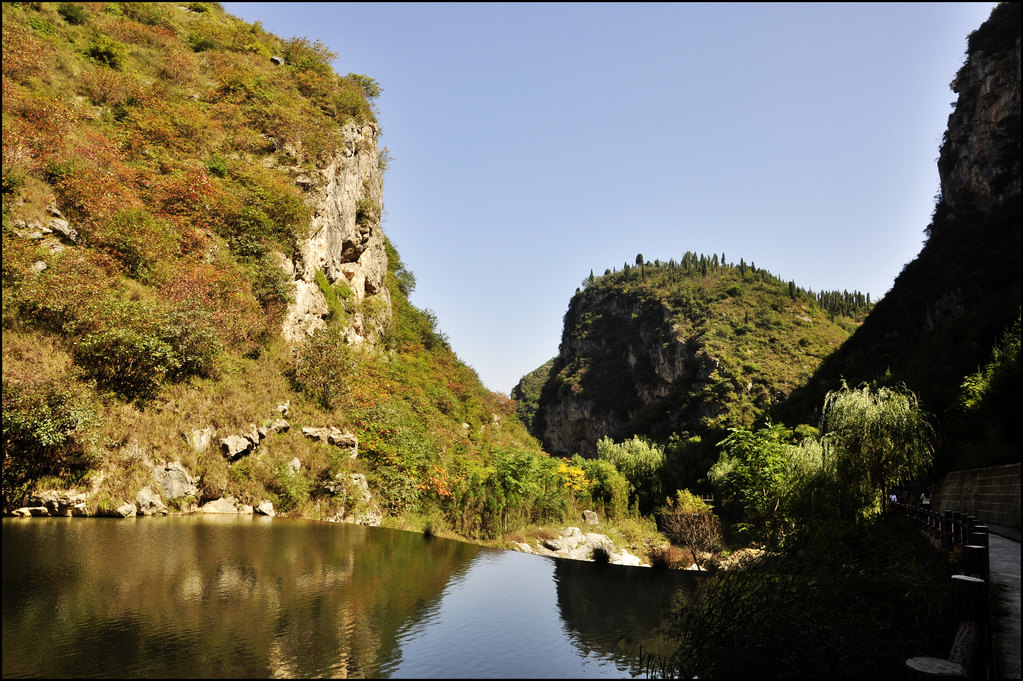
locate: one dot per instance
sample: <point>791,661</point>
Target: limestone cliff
<point>345,241</point>
<point>979,163</point>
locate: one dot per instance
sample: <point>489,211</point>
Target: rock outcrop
<point>622,356</point>
<point>977,166</point>
<point>345,242</point>
<point>574,544</point>
<point>332,435</point>
<point>174,481</point>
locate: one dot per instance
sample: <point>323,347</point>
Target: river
<point>226,596</point>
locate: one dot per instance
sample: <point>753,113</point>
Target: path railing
<point>971,654</point>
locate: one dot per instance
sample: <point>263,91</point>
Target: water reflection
<point>614,611</point>
<point>212,596</point>
<point>223,596</point>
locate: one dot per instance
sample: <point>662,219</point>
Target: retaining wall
<point>990,494</point>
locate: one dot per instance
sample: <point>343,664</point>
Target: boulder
<point>224,505</point>
<point>149,502</point>
<point>590,518</point>
<point>279,426</point>
<point>553,544</point>
<point>253,435</point>
<point>126,510</point>
<point>283,407</point>
<point>625,558</point>
<point>174,481</point>
<point>294,466</point>
<point>63,228</point>
<point>362,510</point>
<point>31,512</point>
<point>199,439</point>
<point>235,447</point>
<point>58,502</point>
<point>266,508</point>
<point>334,436</point>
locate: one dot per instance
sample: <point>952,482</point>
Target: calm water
<point>222,596</point>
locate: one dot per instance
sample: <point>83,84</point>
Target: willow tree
<point>873,439</point>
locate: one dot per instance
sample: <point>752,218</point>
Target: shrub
<point>137,239</point>
<point>367,212</point>
<point>217,166</point>
<point>667,557</point>
<point>271,286</point>
<point>610,488</point>
<point>44,434</point>
<point>814,612</point>
<point>306,56</point>
<point>193,336</point>
<point>106,51</point>
<point>350,102</point>
<point>405,279</point>
<point>131,363</point>
<point>336,295</point>
<point>690,523</point>
<point>290,489</point>
<point>640,462</point>
<point>370,87</point>
<point>41,25</point>
<point>72,13</point>
<point>146,13</point>
<point>324,367</point>
<point>270,213</point>
<point>403,458</point>
<point>201,43</point>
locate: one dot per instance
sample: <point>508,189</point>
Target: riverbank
<point>628,541</point>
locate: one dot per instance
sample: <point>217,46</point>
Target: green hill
<point>682,348</point>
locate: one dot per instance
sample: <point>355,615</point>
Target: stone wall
<point>991,494</point>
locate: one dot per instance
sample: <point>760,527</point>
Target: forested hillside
<point>194,272</point>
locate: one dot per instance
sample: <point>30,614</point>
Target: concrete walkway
<point>1004,554</point>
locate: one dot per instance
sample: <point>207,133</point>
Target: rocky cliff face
<point>949,305</point>
<point>619,355</point>
<point>979,163</point>
<point>673,349</point>
<point>345,241</point>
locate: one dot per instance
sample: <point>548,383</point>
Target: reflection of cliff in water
<point>611,610</point>
<point>213,596</point>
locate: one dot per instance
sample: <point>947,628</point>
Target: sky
<point>533,143</point>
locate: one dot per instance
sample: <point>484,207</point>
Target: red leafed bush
<point>224,292</point>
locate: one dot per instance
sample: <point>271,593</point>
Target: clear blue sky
<point>535,142</point>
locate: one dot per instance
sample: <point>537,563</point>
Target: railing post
<point>947,530</point>
<point>977,561</point>
<point>969,603</point>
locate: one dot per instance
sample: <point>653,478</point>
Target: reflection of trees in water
<point>214,596</point>
<point>611,610</point>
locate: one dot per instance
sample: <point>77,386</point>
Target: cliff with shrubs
<point>686,348</point>
<point>200,310</point>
